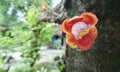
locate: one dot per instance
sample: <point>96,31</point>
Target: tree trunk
<point>104,56</point>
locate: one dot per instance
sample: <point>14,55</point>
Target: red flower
<point>80,30</point>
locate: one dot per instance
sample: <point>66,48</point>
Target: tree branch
<point>56,15</point>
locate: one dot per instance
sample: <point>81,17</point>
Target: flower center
<point>80,29</point>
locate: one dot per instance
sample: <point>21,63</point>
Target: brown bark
<point>104,56</point>
<point>3,29</point>
<point>56,15</point>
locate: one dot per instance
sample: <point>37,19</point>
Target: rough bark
<point>104,56</point>
<point>105,52</point>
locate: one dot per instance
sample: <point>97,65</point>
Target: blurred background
<point>25,45</point>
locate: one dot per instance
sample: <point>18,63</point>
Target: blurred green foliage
<point>20,17</point>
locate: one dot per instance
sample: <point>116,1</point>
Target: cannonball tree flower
<point>80,30</point>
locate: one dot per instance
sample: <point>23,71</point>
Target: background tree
<point>105,52</point>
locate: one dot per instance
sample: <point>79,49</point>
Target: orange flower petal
<point>89,18</point>
<point>85,43</point>
<point>75,20</point>
<point>70,40</point>
<point>65,26</point>
<point>93,32</point>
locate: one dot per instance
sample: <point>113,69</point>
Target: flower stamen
<point>80,29</point>
<point>82,33</point>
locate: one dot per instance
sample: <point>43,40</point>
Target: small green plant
<point>62,66</point>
